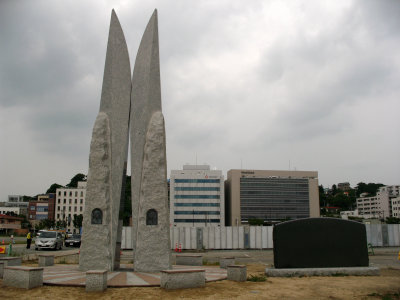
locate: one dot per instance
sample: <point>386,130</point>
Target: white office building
<point>380,205</point>
<point>197,197</point>
<point>70,202</point>
<point>396,207</point>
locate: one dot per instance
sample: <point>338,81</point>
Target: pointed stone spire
<point>101,241</point>
<point>145,100</point>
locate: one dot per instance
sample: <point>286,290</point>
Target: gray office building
<point>270,195</point>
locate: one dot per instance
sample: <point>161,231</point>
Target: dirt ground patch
<point>343,287</point>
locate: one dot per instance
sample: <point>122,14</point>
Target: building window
<point>58,216</point>
<point>70,201</point>
<point>196,180</point>
<point>32,207</point>
<point>80,208</point>
<point>70,194</point>
<point>81,201</point>
<point>75,208</point>
<point>196,188</point>
<point>196,196</point>
<point>58,201</point>
<point>81,194</point>
<point>76,201</point>
<point>65,193</point>
<point>197,204</point>
<point>65,201</point>
<point>59,193</point>
<point>76,194</point>
<point>69,208</point>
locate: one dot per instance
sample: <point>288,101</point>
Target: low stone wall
<point>189,260</point>
<point>182,279</point>
<point>23,277</point>
<point>46,260</point>
<point>67,259</point>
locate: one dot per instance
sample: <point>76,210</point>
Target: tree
<point>46,224</point>
<point>53,188</point>
<point>370,188</point>
<point>74,180</point>
<point>334,189</point>
<point>77,221</point>
<point>392,220</point>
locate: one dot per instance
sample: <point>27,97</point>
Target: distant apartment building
<point>344,186</point>
<point>270,195</point>
<point>5,209</point>
<point>15,198</point>
<point>396,207</point>
<point>70,202</point>
<point>42,208</point>
<point>379,206</point>
<point>15,203</point>
<point>197,197</point>
<point>9,224</point>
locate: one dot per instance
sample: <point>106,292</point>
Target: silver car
<point>49,240</point>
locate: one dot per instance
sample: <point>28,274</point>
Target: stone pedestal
<point>224,262</point>
<point>46,260</point>
<point>182,279</point>
<point>8,261</point>
<point>96,280</point>
<point>23,277</point>
<point>237,272</point>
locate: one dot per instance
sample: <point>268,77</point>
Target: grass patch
<point>257,278</point>
<point>210,263</point>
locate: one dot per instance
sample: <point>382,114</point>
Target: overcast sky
<point>305,85</point>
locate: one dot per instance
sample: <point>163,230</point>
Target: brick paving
<point>69,275</point>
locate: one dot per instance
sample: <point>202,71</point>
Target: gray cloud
<point>252,85</point>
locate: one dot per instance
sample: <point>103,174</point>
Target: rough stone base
<point>46,260</point>
<point>224,262</point>
<point>182,279</point>
<point>237,273</point>
<point>8,261</point>
<point>23,277</point>
<point>355,271</point>
<point>96,280</point>
<point>189,260</point>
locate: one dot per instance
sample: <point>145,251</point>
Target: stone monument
<point>320,243</point>
<point>120,98</point>
<point>146,105</point>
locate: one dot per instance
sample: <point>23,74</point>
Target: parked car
<point>73,241</point>
<point>49,240</point>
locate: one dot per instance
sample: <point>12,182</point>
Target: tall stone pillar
<point>145,99</point>
<point>108,159</point>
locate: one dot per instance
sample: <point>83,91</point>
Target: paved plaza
<point>69,275</point>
